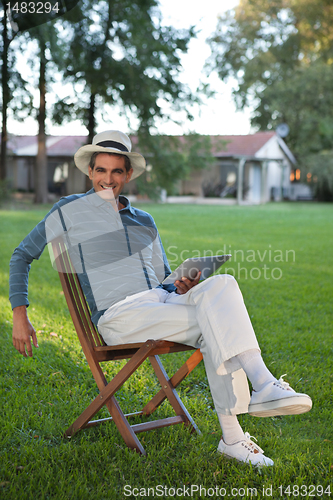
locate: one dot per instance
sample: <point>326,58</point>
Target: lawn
<point>282,258</point>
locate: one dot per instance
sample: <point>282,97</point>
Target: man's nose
<point>108,178</point>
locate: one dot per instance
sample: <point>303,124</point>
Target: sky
<point>217,115</point>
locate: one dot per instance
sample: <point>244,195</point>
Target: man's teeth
<point>107,187</point>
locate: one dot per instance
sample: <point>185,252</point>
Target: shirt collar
<point>127,204</point>
<point>98,201</point>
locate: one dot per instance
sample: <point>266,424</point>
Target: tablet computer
<point>190,268</point>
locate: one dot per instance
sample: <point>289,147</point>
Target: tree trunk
<point>5,98</point>
<point>41,185</point>
<point>91,118</point>
<point>91,129</point>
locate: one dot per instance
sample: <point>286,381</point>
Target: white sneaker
<point>278,398</point>
<point>245,451</point>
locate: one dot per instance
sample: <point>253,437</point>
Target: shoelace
<point>250,444</point>
<point>283,383</point>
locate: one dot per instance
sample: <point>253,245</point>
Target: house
<point>62,175</point>
<point>251,168</point>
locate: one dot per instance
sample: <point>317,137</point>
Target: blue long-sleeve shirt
<point>116,254</point>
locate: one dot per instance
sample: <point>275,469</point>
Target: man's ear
<point>129,175</point>
<point>90,172</point>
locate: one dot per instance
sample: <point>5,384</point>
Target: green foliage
<point>292,316</point>
<point>281,54</point>
<point>262,41</point>
<point>119,53</point>
<point>4,191</point>
<point>172,159</point>
<point>303,100</point>
<point>321,168</point>
<point>18,98</point>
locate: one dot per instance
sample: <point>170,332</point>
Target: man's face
<point>109,173</point>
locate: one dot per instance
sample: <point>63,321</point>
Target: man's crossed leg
<point>212,315</point>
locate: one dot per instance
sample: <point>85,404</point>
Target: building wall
<point>192,185</point>
<point>208,182</point>
<point>278,175</point>
<point>76,181</point>
<point>20,173</point>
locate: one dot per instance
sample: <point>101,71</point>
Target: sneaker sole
<point>258,464</point>
<point>280,407</point>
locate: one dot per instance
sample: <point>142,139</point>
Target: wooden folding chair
<point>97,352</point>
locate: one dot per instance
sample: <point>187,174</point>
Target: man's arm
<point>29,249</point>
<point>23,331</point>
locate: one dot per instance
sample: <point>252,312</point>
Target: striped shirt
<point>115,254</point>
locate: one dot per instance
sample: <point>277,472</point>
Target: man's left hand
<point>185,284</point>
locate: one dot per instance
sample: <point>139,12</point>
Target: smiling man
<point>121,264</point>
<point>108,173</point>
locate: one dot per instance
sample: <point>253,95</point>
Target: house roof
<point>222,145</point>
<point>57,146</point>
<point>240,145</point>
<point>249,146</point>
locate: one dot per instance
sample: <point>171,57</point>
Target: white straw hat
<point>111,141</point>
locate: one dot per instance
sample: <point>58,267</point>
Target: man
<point>121,264</point>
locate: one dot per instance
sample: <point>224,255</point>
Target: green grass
<point>292,316</point>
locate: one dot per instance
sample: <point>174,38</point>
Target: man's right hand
<point>23,331</point>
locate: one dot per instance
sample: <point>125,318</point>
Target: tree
<point>304,100</point>
<point>40,28</point>
<point>170,159</point>
<point>41,184</point>
<point>120,54</point>
<point>15,96</point>
<point>281,54</point>
<point>264,41</point>
<point>319,169</point>
<point>5,95</point>
<point>45,49</point>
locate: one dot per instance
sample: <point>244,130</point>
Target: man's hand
<point>185,284</point>
<point>23,331</point>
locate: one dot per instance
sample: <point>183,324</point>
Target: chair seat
<point>123,351</point>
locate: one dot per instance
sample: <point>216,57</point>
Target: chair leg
<point>175,380</point>
<point>124,427</point>
<point>106,397</point>
<point>171,393</point>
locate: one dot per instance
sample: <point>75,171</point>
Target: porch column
<point>240,173</point>
<point>263,195</point>
<point>283,168</point>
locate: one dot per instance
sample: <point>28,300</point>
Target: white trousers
<point>211,315</point>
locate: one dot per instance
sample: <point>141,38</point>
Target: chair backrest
<point>92,343</point>
<point>74,296</point>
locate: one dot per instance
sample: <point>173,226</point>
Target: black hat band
<point>113,144</point>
